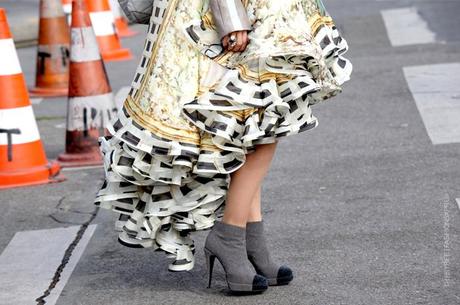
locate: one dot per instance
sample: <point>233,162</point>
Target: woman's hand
<point>242,41</point>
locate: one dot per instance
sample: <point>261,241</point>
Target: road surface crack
<point>65,259</point>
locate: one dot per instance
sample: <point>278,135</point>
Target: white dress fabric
<point>195,110</point>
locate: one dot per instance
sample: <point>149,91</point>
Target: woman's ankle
<point>257,219</point>
<point>234,222</point>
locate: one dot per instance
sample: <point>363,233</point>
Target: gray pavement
<point>23,17</point>
<point>362,208</point>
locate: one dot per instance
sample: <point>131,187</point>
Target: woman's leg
<point>255,213</point>
<point>244,184</point>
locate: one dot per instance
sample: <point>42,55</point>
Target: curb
<point>23,36</point>
<point>23,20</point>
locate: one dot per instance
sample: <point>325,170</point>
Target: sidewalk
<point>23,18</point>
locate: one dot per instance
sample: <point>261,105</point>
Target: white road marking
<point>405,26</point>
<point>36,101</point>
<point>71,169</point>
<point>121,96</point>
<point>436,92</point>
<point>458,202</point>
<point>28,263</point>
<point>60,126</point>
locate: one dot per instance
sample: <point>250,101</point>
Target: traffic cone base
<point>44,174</point>
<point>81,149</point>
<point>56,84</point>
<point>111,50</point>
<point>121,23</point>
<point>123,29</point>
<point>48,92</point>
<point>117,55</point>
<point>80,159</point>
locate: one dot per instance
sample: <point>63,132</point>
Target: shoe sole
<point>279,282</point>
<point>236,287</point>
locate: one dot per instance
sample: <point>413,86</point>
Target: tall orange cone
<point>121,24</point>
<point>67,7</point>
<point>22,157</point>
<point>52,75</point>
<point>103,23</point>
<point>91,104</point>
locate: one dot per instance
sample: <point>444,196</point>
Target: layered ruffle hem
<point>163,187</point>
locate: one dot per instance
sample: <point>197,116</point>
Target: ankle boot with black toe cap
<point>227,243</point>
<point>258,255</point>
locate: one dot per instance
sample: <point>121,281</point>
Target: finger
<point>239,44</point>
<point>245,40</point>
<point>225,41</point>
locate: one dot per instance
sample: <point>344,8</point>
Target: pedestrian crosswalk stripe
<point>405,26</point>
<point>436,92</point>
<point>29,261</point>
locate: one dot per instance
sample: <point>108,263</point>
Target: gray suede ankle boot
<point>227,243</point>
<point>258,254</point>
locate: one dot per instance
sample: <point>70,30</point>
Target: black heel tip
<point>285,275</point>
<point>259,283</point>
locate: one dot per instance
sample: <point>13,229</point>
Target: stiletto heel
<point>210,258</point>
<point>227,243</point>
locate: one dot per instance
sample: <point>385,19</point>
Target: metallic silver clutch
<point>137,11</point>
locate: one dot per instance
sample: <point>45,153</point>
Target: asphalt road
<point>363,208</point>
<point>23,18</point>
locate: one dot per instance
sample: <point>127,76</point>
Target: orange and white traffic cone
<point>67,7</point>
<point>22,157</point>
<point>121,24</point>
<point>91,104</point>
<point>52,75</point>
<point>103,23</point>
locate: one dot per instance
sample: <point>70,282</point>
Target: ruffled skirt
<point>194,111</point>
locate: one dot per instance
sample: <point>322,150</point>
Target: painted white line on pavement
<point>436,92</point>
<point>121,96</point>
<point>458,202</point>
<point>405,26</point>
<point>36,101</point>
<point>28,263</point>
<point>60,125</point>
<point>71,169</point>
